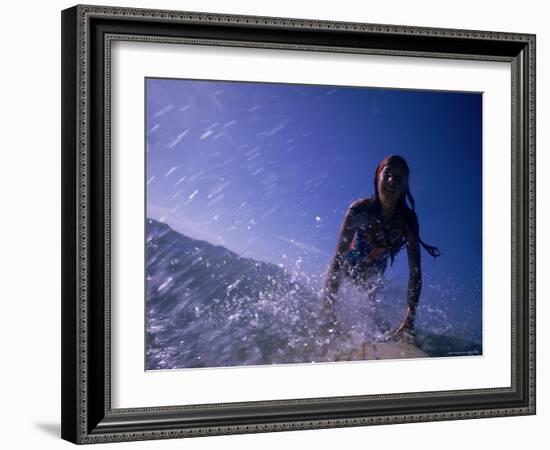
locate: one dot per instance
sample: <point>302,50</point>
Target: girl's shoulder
<point>410,218</point>
<point>361,211</point>
<point>362,205</point>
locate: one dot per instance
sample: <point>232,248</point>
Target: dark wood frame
<point>87,416</point>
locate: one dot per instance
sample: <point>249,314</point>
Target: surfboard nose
<point>383,350</point>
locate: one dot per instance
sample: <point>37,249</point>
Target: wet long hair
<point>405,201</point>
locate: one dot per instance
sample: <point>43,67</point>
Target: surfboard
<point>383,350</point>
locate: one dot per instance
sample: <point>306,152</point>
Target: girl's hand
<point>328,309</point>
<point>328,306</point>
<point>328,312</point>
<point>404,327</point>
<point>404,336</point>
<point>405,331</point>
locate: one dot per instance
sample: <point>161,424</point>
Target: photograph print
<point>299,224</point>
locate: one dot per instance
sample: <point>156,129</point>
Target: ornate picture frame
<point>88,365</point>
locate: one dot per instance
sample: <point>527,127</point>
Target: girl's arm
<point>334,273</point>
<point>415,276</point>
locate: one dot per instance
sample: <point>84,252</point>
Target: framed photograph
<point>279,224</point>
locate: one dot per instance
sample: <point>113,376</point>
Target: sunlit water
<point>207,307</point>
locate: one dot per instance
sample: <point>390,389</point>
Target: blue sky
<point>269,169</point>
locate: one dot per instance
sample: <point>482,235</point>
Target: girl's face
<point>392,183</point>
